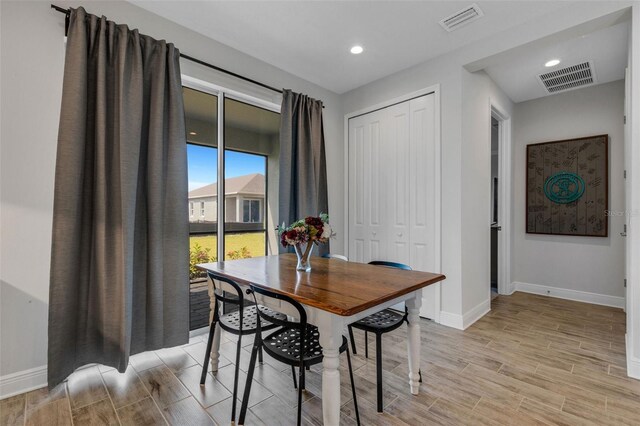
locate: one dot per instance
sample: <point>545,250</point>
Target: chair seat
<point>284,345</point>
<point>231,321</point>
<point>380,322</point>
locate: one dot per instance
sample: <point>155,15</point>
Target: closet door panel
<point>366,214</point>
<point>375,180</point>
<point>398,206</point>
<point>422,187</point>
<point>356,188</point>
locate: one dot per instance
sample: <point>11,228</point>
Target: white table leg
<point>214,356</point>
<point>413,340</point>
<point>215,349</point>
<point>330,327</point>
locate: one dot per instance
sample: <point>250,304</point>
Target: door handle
<point>623,234</point>
<point>496,227</point>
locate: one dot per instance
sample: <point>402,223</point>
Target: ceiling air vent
<point>462,18</point>
<point>569,78</point>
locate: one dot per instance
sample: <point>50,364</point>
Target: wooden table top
<point>333,285</point>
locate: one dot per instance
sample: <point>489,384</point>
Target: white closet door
<point>366,188</point>
<point>392,189</point>
<point>397,189</point>
<point>422,205</point>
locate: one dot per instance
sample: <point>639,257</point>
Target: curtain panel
<point>303,167</point>
<point>120,242</point>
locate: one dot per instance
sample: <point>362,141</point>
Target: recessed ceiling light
<point>552,63</point>
<point>356,50</point>
<point>192,133</point>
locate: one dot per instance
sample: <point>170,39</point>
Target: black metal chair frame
<point>238,330</point>
<point>379,331</point>
<point>302,360</point>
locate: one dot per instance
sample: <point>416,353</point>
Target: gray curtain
<point>120,249</point>
<point>303,166</point>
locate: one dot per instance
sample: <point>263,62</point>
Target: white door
<point>366,217</point>
<point>627,183</point>
<point>392,189</point>
<point>398,182</point>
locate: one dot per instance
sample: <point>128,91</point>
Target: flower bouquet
<point>303,234</point>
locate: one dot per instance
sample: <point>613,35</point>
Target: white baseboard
<point>476,313</point>
<point>462,322</point>
<point>633,363</point>
<point>23,381</point>
<point>511,288</point>
<point>451,320</point>
<point>633,367</point>
<point>565,293</point>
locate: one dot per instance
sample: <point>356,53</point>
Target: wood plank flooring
<point>532,360</point>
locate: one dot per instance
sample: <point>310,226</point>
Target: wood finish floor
<point>532,360</point>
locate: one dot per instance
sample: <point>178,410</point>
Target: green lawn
<point>253,241</point>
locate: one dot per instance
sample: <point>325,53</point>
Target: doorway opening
<point>500,193</point>
<point>495,217</point>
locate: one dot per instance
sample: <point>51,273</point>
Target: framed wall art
<point>567,189</point>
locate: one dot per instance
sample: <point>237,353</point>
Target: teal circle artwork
<point>564,187</point>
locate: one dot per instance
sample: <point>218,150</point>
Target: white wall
<point>448,74</point>
<point>31,73</point>
<point>464,111</point>
<point>479,92</point>
<point>633,201</point>
<point>465,126</point>
<point>32,49</point>
<point>587,264</point>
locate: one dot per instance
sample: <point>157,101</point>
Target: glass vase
<point>304,256</point>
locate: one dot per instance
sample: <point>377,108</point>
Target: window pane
<point>255,211</point>
<point>251,147</point>
<point>246,206</point>
<point>201,115</point>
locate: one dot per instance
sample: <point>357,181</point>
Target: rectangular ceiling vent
<point>462,18</point>
<point>569,77</point>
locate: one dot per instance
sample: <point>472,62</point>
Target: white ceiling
<point>517,71</point>
<point>311,39</point>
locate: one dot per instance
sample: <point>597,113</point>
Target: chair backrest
<point>230,286</point>
<point>335,256</point>
<point>391,264</point>
<point>301,324</point>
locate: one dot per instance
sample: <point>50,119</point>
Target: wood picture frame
<point>567,187</point>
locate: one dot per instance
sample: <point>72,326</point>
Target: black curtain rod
<point>67,12</point>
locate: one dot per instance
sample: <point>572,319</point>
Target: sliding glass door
<point>246,173</point>
<point>251,142</point>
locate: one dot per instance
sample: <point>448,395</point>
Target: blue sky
<point>203,165</point>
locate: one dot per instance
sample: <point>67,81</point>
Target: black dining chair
<point>241,322</point>
<point>295,343</point>
<point>380,323</point>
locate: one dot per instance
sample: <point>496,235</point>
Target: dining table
<point>334,293</point>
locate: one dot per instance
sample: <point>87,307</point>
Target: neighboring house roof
<point>253,184</point>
